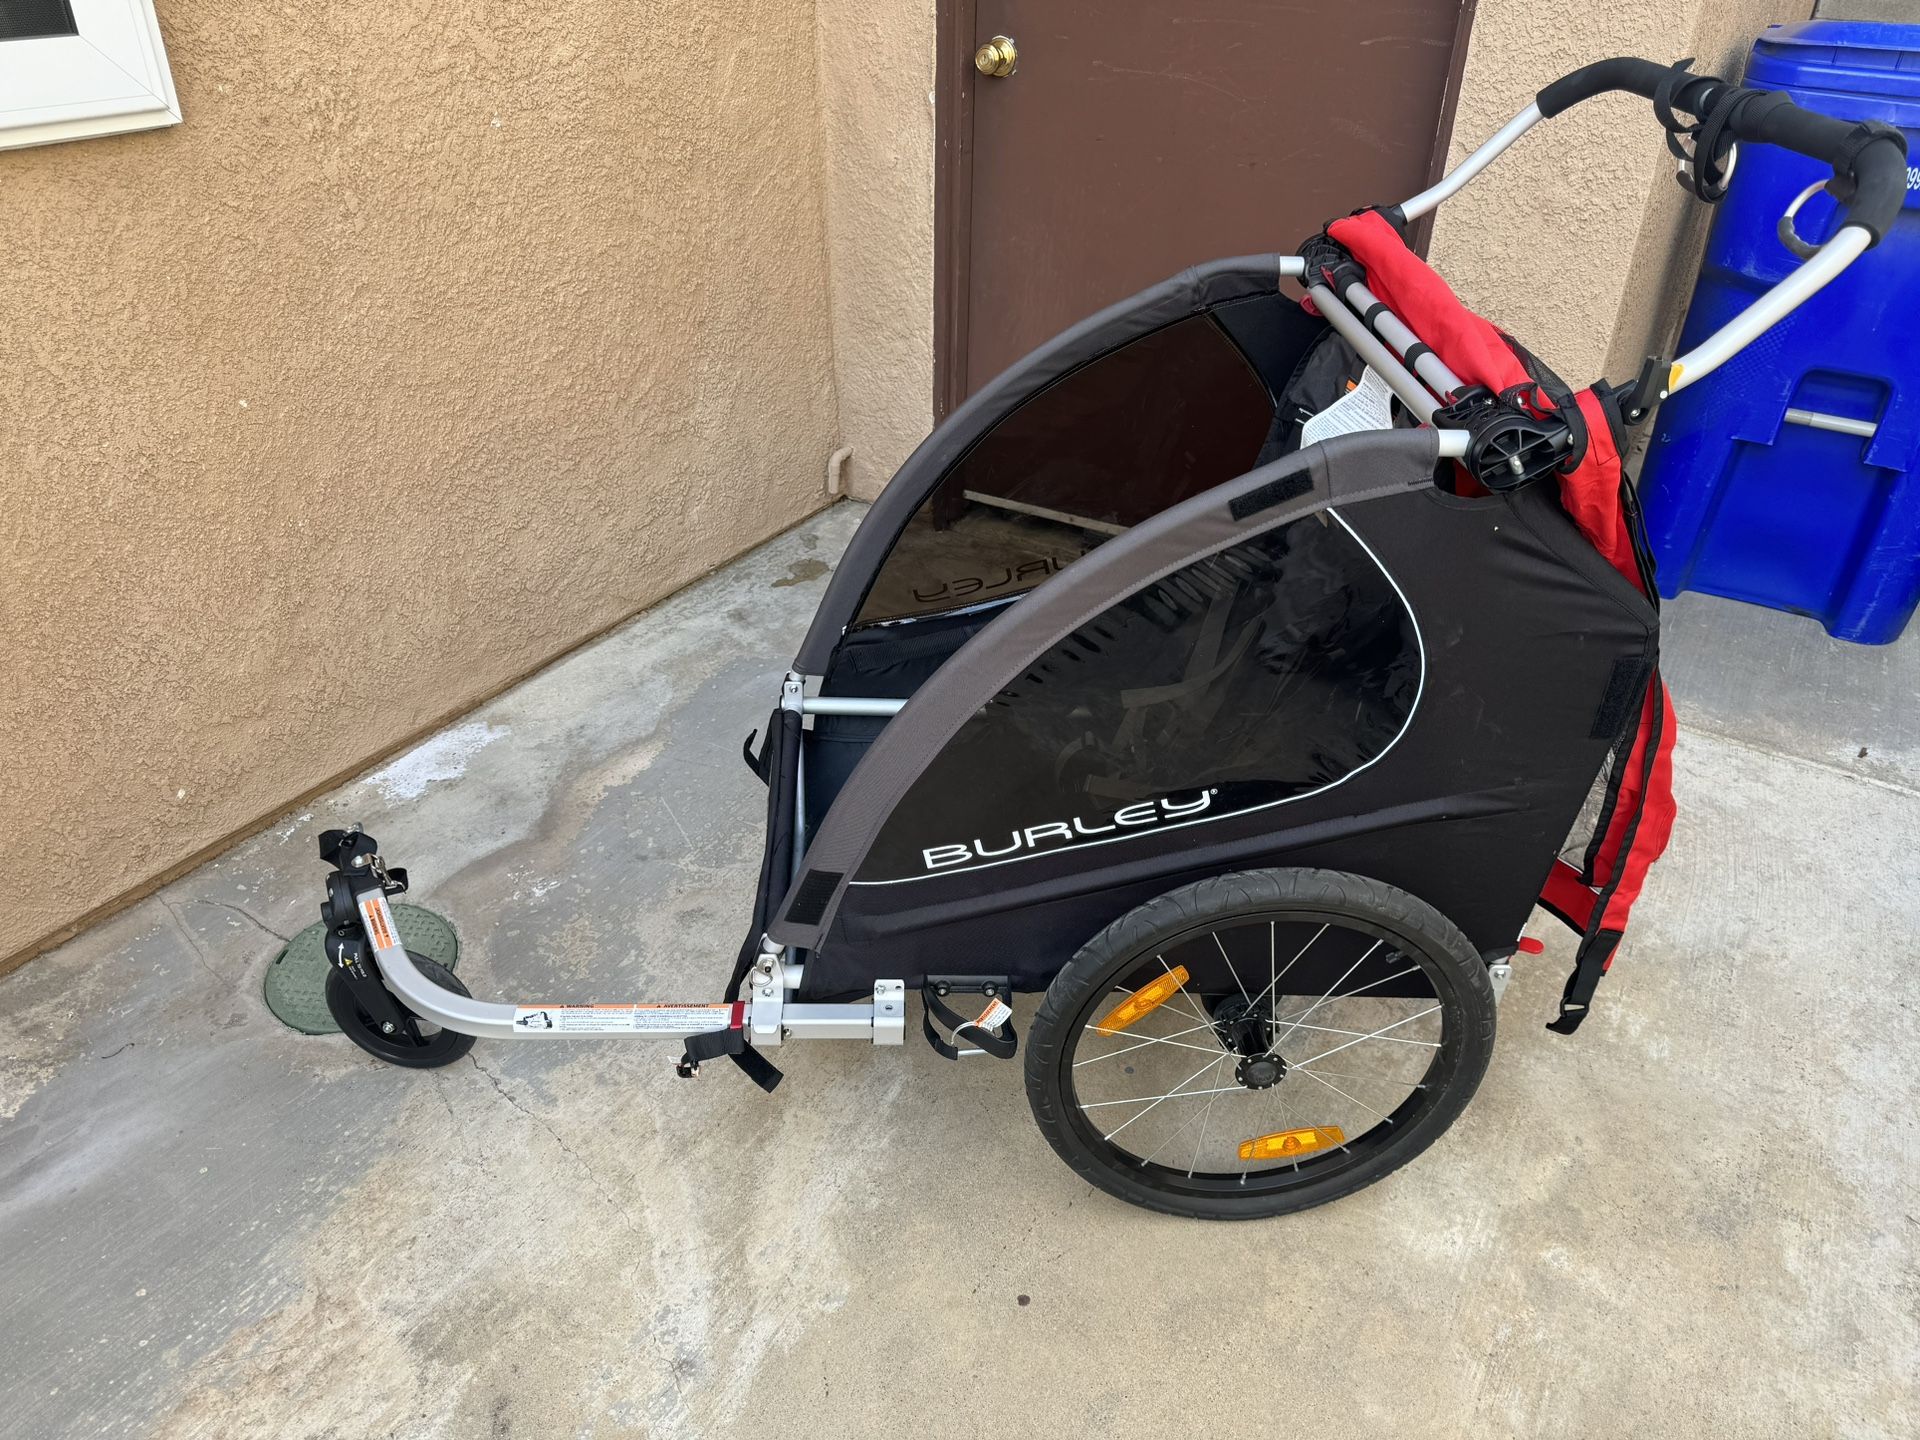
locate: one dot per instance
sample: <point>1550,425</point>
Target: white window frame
<point>110,77</point>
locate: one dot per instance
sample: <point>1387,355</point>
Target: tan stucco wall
<point>486,327</point>
<point>876,94</point>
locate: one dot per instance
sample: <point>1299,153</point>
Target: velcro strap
<point>758,764</point>
<point>1866,133</point>
<point>731,1042</point>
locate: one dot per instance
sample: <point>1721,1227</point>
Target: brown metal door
<point>1135,138</point>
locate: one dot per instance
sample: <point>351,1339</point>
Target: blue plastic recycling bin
<point>1787,478</point>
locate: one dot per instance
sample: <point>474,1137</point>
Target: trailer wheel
<point>419,1045</point>
<point>1258,1043</point>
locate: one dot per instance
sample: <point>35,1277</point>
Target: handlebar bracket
<point>1507,447</point>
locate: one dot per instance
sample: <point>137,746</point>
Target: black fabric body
<point>1523,624</point>
<point>1410,688</point>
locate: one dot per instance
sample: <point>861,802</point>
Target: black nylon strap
<point>757,763</point>
<point>1597,945</point>
<point>731,1042</point>
<point>1577,998</point>
<point>1002,1046</point>
<point>1663,95</point>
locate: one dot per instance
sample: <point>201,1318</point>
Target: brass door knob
<point>997,57</point>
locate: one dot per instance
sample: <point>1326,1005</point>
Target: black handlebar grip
<point>1879,182</point>
<point>1623,72</point>
<point>1869,161</point>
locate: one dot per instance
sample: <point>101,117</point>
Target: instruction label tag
<point>379,921</point>
<point>1367,406</point>
<point>996,1013</point>
<point>620,1019</point>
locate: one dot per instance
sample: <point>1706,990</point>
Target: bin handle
<point>1789,236</point>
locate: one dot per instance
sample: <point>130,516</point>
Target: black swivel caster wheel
<point>418,1044</point>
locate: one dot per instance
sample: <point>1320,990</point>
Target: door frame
<point>953,92</point>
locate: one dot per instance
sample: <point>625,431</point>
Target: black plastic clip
<point>1506,446</point>
<point>997,1039</point>
<point>1648,390</point>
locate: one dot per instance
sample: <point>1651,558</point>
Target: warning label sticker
<point>373,909</point>
<point>621,1019</point>
<point>997,1010</point>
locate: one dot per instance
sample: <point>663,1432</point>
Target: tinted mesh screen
<point>1167,416</point>
<point>35,19</point>
<point>1265,673</point>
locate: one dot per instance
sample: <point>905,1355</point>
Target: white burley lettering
<point>1047,836</point>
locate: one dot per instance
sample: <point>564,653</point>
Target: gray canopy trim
<point>1188,293</point>
<point>1346,470</point>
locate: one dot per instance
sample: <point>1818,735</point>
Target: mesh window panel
<point>1146,426</point>
<point>1269,672</point>
<point>35,19</point>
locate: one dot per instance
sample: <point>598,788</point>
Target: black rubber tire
<point>442,1047</point>
<point>1414,927</point>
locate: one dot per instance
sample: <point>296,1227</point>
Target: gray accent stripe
<point>1185,294</point>
<point>1348,469</point>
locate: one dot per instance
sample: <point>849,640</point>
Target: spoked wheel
<point>1259,1043</point>
<point>418,1044</point>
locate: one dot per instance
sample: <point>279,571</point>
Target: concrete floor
<point>1696,1218</point>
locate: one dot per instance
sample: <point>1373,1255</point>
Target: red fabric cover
<point>1478,353</point>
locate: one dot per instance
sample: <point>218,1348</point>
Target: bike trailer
<point>1239,670</point>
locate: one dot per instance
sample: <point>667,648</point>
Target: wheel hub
<point>1260,1072</point>
<point>1242,1028</point>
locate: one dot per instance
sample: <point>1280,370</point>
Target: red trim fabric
<point>1476,351</point>
<point>1473,348</point>
<point>1568,896</point>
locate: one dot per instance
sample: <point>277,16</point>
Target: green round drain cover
<point>297,979</point>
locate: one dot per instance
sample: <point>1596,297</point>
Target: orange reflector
<point>1149,997</point>
<point>1285,1144</point>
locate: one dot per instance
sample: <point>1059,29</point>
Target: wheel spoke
<point>1174,1094</point>
<point>1377,1079</point>
<point>1343,1095</point>
<point>1373,1035</point>
<point>1331,988</point>
<point>1206,1118</point>
<point>1221,946</point>
<point>1157,1100</point>
<point>1272,993</point>
<point>1380,1034</point>
<point>1146,1040</point>
<point>1349,994</point>
<point>1172,1136</point>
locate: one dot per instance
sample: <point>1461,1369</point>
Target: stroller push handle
<point>1869,161</point>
